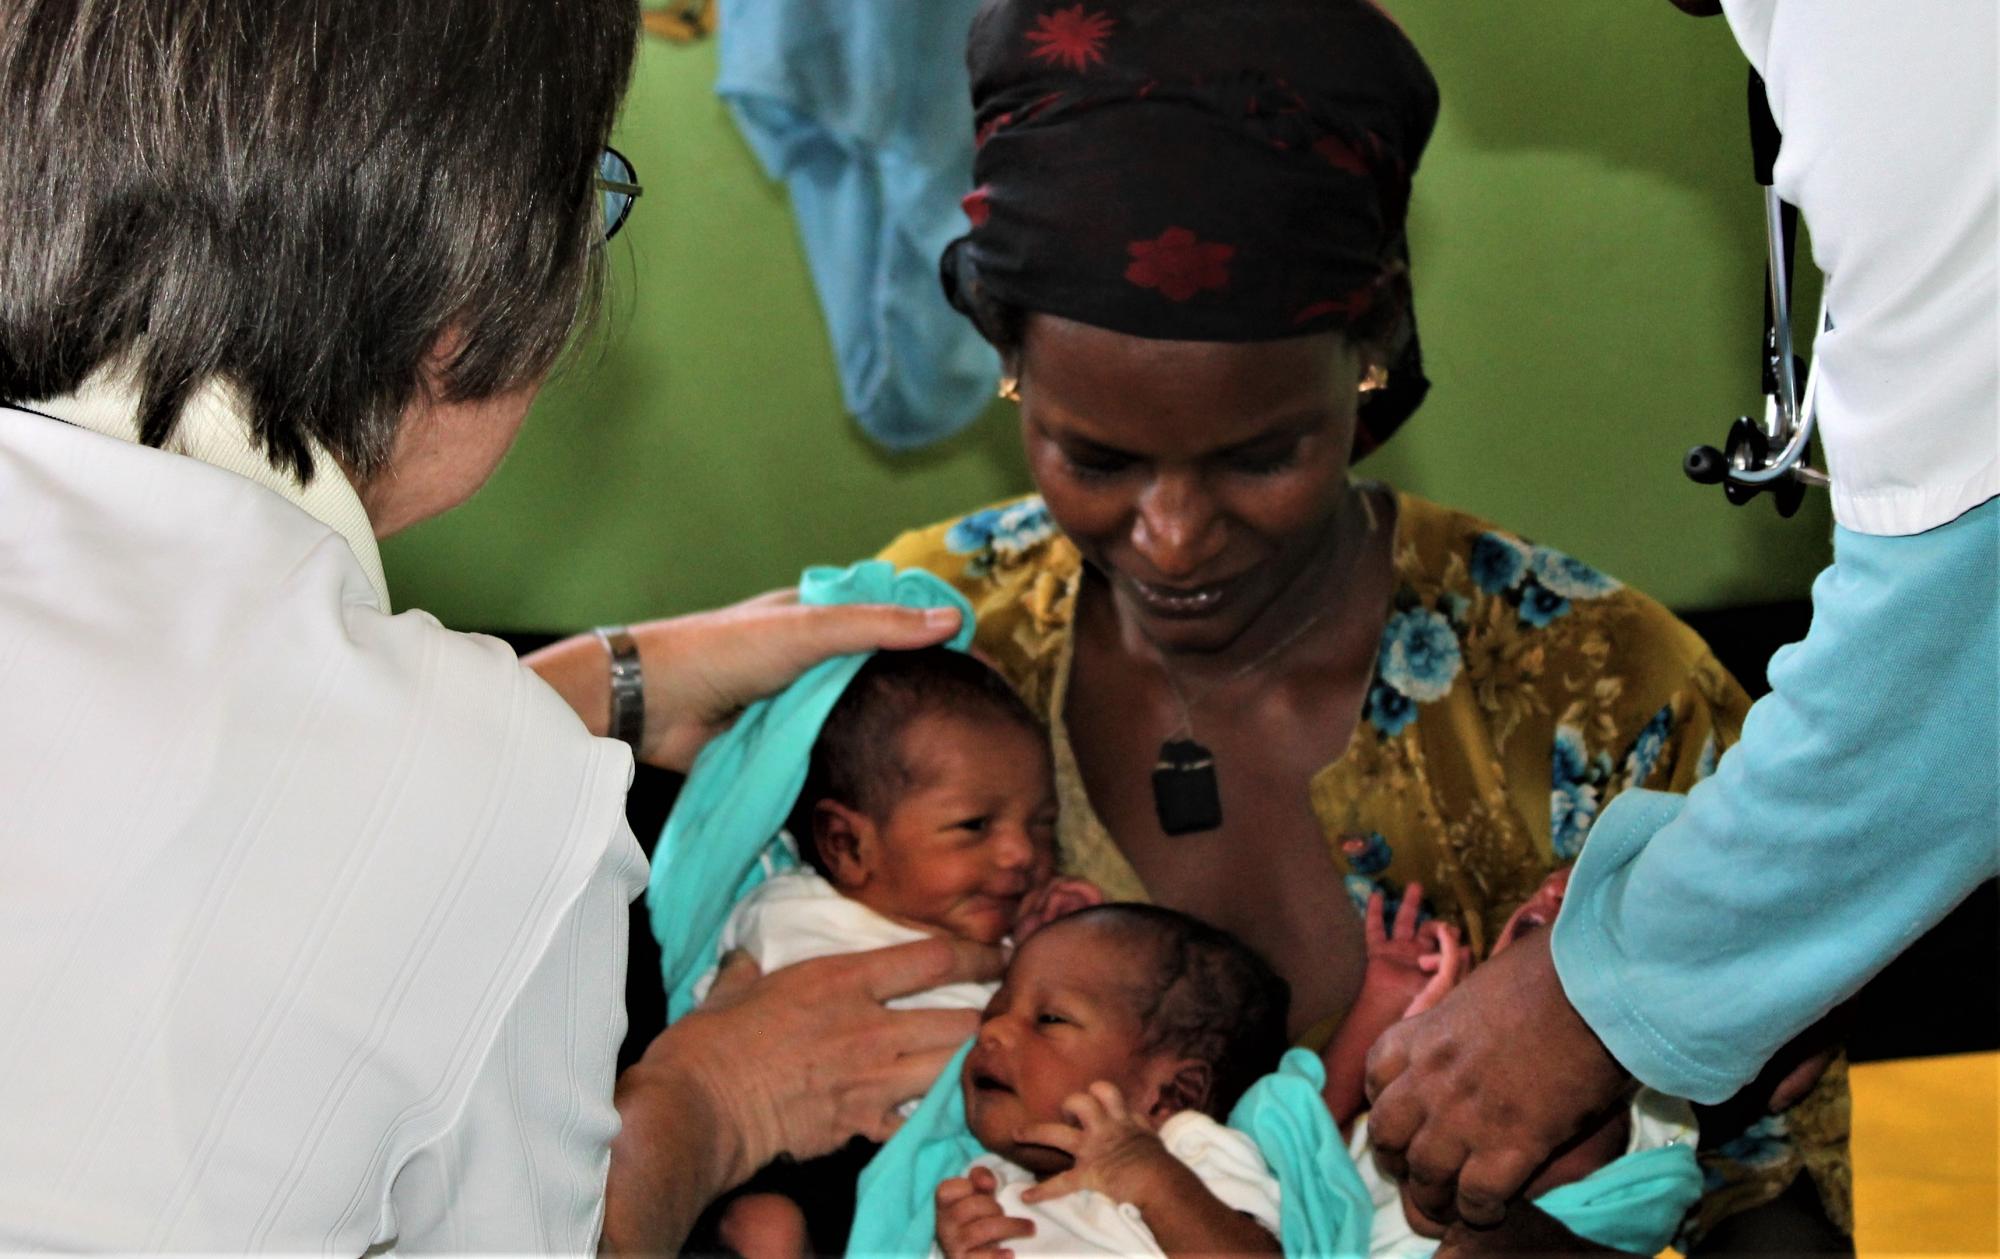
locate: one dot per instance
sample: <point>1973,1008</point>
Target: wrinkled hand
<point>970,1223</point>
<point>1471,1097</point>
<point>701,670</point>
<point>1052,900</point>
<point>1110,1149</point>
<point>802,1059</point>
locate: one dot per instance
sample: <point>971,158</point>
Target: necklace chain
<point>1188,702</point>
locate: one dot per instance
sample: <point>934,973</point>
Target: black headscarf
<point>1237,170</point>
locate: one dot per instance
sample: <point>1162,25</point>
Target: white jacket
<point>312,919</point>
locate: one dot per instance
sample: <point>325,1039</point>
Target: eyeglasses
<point>617,187</point>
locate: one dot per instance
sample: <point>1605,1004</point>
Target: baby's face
<point>960,849</point>
<point>1066,1016</point>
<point>1537,912</point>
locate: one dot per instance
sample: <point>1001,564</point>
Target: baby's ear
<point>1186,1086</point>
<point>843,837</point>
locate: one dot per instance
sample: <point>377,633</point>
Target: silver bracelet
<point>628,685</point>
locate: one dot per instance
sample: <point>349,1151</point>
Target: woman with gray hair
<point>312,917</point>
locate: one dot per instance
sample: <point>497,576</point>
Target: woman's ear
<point>1183,1084</point>
<point>1380,334</point>
<point>845,838</point>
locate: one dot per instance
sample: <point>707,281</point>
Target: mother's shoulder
<point>1454,556</point>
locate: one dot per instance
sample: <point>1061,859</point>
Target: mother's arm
<point>795,1062</point>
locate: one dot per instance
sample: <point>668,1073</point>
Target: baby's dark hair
<point>857,760</point>
<point>1213,998</point>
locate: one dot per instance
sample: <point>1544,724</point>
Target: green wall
<point>1587,250</point>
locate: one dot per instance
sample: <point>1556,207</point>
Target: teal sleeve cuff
<point>1592,956</point>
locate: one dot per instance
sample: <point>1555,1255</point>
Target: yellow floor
<point>1927,1156</point>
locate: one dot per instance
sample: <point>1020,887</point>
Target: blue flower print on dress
<point>1570,578</point>
<point>1366,853</point>
<point>1454,606</point>
<point>1572,808</point>
<point>1008,529</point>
<point>1359,889</point>
<point>1000,533</point>
<point>1646,749</point>
<point>1540,605</point>
<point>1569,760</point>
<point>1498,563</point>
<point>1388,710</point>
<point>1574,778</point>
<point>1704,764</point>
<point>1766,1143</point>
<point>1420,655</point>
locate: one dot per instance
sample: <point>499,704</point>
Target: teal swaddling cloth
<point>1634,1203</point>
<point>722,838</point>
<point>1323,1207</point>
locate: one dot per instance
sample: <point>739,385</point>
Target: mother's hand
<point>701,670</point>
<point>794,1062</point>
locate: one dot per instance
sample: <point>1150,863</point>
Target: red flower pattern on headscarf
<point>978,205</point>
<point>1070,37</point>
<point>1179,264</point>
<point>1341,155</point>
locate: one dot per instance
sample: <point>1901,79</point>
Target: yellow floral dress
<point>1516,691</point>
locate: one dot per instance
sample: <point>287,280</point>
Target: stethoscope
<point>1747,466</point>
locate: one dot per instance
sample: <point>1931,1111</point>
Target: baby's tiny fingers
<point>991,1231</point>
<point>1086,1108</point>
<point>1108,1096</point>
<point>1406,913</point>
<point>1371,920</point>
<point>957,1189</point>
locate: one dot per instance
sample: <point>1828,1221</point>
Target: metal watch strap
<point>628,685</point>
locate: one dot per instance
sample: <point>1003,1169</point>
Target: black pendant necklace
<point>1185,794</point>
<point>1187,798</point>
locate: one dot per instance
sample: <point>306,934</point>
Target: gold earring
<point>1377,378</point>
<point>1010,388</point>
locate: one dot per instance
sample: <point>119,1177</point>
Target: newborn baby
<point>928,809</point>
<point>1118,1037</point>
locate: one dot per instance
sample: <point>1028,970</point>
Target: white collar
<point>214,429</point>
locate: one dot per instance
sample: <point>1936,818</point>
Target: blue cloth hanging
<point>862,108</point>
<point>722,838</point>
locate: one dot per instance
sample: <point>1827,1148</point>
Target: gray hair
<point>301,197</point>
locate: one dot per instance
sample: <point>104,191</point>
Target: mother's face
<point>1200,478</point>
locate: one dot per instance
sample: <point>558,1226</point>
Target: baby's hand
<point>1053,900</point>
<point>1445,958</point>
<point>1410,966</point>
<point>969,1220</point>
<point>1113,1152</point>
